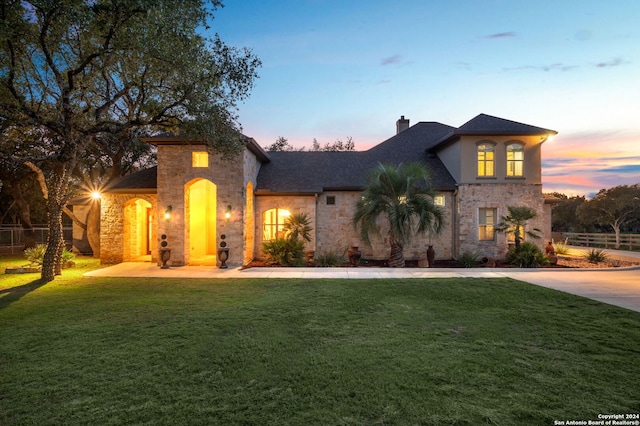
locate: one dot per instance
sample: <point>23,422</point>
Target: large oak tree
<point>85,70</point>
<point>615,207</point>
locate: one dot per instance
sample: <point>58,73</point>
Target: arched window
<point>272,223</point>
<point>515,159</point>
<point>486,159</point>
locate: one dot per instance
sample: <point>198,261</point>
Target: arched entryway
<point>138,230</point>
<point>201,226</point>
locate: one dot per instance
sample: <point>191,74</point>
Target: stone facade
<point>176,175</point>
<point>336,232</point>
<point>196,198</point>
<point>473,197</point>
<point>119,232</point>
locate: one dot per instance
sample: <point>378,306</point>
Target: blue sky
<point>334,69</point>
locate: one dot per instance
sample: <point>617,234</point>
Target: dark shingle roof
<point>143,182</point>
<point>313,172</point>
<point>488,125</point>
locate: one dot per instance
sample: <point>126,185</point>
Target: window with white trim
<point>515,160</point>
<point>486,224</point>
<point>486,160</point>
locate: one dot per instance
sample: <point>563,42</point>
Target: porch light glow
<point>227,213</point>
<point>167,212</point>
<point>96,195</point>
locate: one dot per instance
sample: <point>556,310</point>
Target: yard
<point>104,351</point>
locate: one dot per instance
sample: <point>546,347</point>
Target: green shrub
<point>469,259</point>
<point>528,255</point>
<point>595,255</point>
<point>561,248</point>
<point>284,252</point>
<point>35,255</point>
<point>297,227</point>
<point>328,258</point>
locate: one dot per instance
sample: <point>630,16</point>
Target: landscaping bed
<point>564,261</point>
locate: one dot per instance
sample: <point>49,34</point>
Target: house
<point>195,201</point>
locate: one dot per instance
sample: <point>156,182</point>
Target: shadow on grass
<point>13,294</point>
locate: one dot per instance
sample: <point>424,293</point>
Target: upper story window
<point>486,159</point>
<point>199,159</point>
<point>273,223</point>
<point>438,200</point>
<point>515,159</point>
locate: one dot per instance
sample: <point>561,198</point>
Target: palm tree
<point>404,195</point>
<point>515,223</point>
<point>297,226</point>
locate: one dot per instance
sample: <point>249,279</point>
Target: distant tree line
<point>282,144</point>
<point>615,209</point>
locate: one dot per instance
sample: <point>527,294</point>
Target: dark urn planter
<point>223,252</point>
<point>310,255</point>
<point>431,256</point>
<point>165,255</point>
<point>354,256</point>
<point>223,256</point>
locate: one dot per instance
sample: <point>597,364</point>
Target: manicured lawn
<point>320,352</point>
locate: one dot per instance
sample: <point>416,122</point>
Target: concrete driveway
<point>616,286</point>
<point>619,287</point>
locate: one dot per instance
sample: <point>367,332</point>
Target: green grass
<point>319,352</point>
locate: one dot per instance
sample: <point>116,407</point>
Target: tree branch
<point>40,177</point>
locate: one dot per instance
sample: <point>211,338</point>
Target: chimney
<point>402,124</point>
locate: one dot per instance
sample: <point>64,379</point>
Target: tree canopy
<point>615,207</point>
<point>282,144</point>
<point>83,72</point>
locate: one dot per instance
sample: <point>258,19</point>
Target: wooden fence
<point>627,241</point>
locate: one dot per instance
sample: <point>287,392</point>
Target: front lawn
<point>319,352</point>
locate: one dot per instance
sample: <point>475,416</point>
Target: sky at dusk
<point>334,69</point>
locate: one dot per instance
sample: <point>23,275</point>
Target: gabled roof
<point>488,125</point>
<point>170,139</point>
<point>295,172</point>
<point>142,182</point>
<point>305,172</point>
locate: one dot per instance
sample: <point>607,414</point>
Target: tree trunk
<point>616,229</point>
<point>93,228</point>
<point>52,261</point>
<point>396,258</point>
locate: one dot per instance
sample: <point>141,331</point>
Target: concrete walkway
<point>616,286</point>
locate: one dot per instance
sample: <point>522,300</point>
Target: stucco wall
<point>461,157</point>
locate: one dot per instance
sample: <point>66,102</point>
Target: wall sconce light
<point>96,195</point>
<point>227,213</point>
<point>167,212</point>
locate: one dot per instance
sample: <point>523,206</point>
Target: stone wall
<point>251,169</point>
<point>472,197</point>
<point>175,174</point>
<point>115,235</point>
<point>333,226</point>
<point>295,204</point>
<point>336,232</point>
